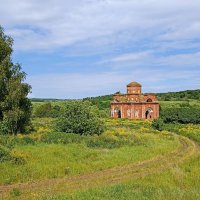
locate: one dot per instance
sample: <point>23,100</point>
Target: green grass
<point>189,130</point>
<point>179,182</point>
<point>176,104</point>
<point>52,160</point>
<point>122,143</point>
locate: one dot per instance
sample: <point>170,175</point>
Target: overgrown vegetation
<point>179,96</point>
<point>79,117</point>
<point>158,124</point>
<point>183,114</point>
<point>53,154</point>
<point>47,110</point>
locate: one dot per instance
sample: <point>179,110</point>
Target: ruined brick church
<point>134,104</point>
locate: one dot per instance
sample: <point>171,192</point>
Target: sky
<point>80,48</point>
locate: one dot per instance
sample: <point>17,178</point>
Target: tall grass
<point>50,155</point>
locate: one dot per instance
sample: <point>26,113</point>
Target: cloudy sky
<point>80,48</point>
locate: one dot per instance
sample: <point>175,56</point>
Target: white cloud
<point>57,23</point>
<point>136,40</point>
<point>131,57</point>
<point>76,85</point>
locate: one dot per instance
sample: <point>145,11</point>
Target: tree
<point>47,110</point>
<point>15,107</point>
<point>43,110</point>
<point>79,117</point>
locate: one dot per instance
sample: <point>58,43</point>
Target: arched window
<point>149,100</point>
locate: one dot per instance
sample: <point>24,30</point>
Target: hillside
<point>103,102</point>
<point>178,96</point>
<point>168,96</point>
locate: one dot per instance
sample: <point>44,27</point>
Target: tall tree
<point>15,107</point>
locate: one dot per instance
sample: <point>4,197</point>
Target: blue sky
<point>80,48</point>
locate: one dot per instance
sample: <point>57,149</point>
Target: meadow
<point>130,160</point>
<point>49,154</point>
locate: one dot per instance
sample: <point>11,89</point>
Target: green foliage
<point>43,110</point>
<point>188,130</point>
<point>102,102</point>
<point>47,110</point>
<point>4,154</point>
<point>158,124</point>
<point>183,95</point>
<point>15,107</point>
<point>181,115</point>
<point>81,118</point>
<point>10,142</point>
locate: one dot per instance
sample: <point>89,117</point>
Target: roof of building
<point>134,84</point>
<point>117,93</point>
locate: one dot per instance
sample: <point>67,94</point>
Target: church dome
<point>134,84</point>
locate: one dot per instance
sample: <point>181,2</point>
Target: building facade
<point>134,104</point>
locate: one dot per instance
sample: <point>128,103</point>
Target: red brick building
<point>134,104</point>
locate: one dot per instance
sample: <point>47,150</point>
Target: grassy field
<point>119,145</point>
<point>129,160</point>
<point>179,182</point>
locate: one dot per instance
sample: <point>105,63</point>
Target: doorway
<point>149,113</point>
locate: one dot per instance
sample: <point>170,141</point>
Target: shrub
<point>80,117</point>
<point>3,128</point>
<point>4,154</point>
<point>43,110</point>
<point>158,124</point>
<point>10,142</point>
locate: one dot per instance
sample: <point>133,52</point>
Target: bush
<point>158,124</point>
<point>80,117</point>
<point>3,128</point>
<point>10,142</point>
<point>4,154</point>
